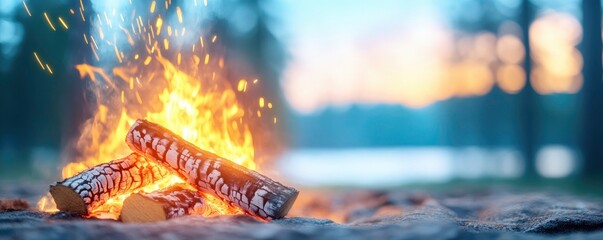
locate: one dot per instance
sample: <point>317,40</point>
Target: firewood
<point>254,193</point>
<point>90,189</point>
<point>167,203</point>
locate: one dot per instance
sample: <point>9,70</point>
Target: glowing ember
<point>183,91</point>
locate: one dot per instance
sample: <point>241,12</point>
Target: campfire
<point>155,148</point>
<point>193,153</point>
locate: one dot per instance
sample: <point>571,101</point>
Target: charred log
<point>90,189</point>
<point>171,202</point>
<point>254,193</point>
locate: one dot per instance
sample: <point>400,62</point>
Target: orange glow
<point>415,68</point>
<point>511,78</point>
<point>510,50</point>
<point>558,63</point>
<point>191,98</point>
<point>471,79</point>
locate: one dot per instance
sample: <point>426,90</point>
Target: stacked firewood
<point>157,152</point>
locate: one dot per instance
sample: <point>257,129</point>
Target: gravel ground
<point>392,214</point>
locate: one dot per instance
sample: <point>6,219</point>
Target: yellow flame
<point>185,94</point>
<point>207,118</point>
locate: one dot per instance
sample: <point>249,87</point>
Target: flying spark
<point>49,22</point>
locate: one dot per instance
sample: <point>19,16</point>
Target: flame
<point>185,94</point>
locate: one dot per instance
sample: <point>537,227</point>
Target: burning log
<point>254,193</point>
<point>91,188</point>
<point>171,202</point>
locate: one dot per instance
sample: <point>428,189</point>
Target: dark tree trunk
<point>592,91</point>
<point>528,97</point>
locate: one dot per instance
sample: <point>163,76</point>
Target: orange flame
<point>188,96</point>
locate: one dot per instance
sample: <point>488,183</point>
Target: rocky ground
<point>392,214</point>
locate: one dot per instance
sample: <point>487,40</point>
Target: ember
<point>174,201</point>
<point>92,188</point>
<point>167,74</point>
<point>255,194</point>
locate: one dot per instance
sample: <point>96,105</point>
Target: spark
<point>63,23</point>
<point>196,59</point>
<point>141,23</point>
<point>117,52</point>
<point>179,58</point>
<point>136,56</point>
<point>259,114</point>
<point>137,24</point>
<point>49,69</point>
<point>130,40</point>
<point>85,39</point>
<point>71,11</point>
<point>179,13</point>
<point>158,25</point>
<point>40,62</point>
<point>205,2</point>
<point>201,40</point>
<point>122,97</point>
<point>100,33</point>
<point>255,81</point>
<point>166,44</point>
<point>82,14</point>
<point>94,50</point>
<point>270,105</point>
<point>82,6</point>
<point>138,97</point>
<point>274,120</point>
<point>49,22</point>
<point>147,60</point>
<point>153,3</point>
<point>107,20</point>
<point>206,58</point>
<point>261,102</point>
<point>94,42</point>
<point>213,40</point>
<point>26,8</point>
<point>242,86</point>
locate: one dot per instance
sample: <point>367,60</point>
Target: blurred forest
<point>42,112</point>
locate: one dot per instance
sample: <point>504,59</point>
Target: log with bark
<point>91,188</point>
<point>174,201</point>
<point>254,193</point>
